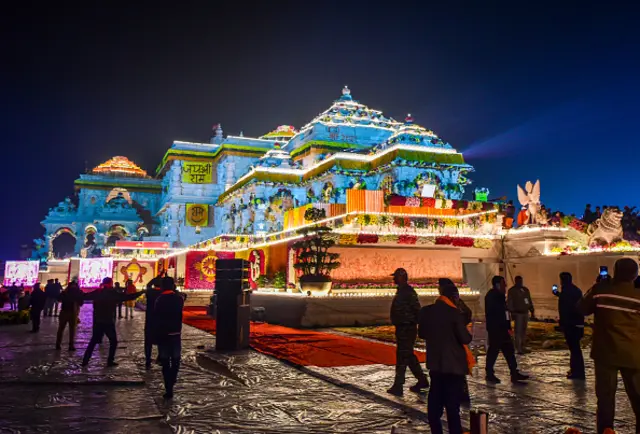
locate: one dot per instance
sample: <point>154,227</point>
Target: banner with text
<point>195,172</point>
<point>197,215</point>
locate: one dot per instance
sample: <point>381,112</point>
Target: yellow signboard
<point>194,172</point>
<point>197,215</point>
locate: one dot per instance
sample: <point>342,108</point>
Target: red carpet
<point>305,347</point>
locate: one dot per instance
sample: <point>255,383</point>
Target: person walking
<point>520,305</point>
<point>120,290</point>
<point>405,309</point>
<point>129,305</point>
<point>105,302</point>
<point>615,305</point>
<point>168,310</point>
<point>70,302</point>
<point>498,323</point>
<point>154,289</point>
<point>449,360</point>
<point>571,323</point>
<point>37,302</point>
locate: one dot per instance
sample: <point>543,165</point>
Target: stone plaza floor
<point>248,392</point>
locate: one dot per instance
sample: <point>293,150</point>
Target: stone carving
<point>529,197</point>
<point>607,228</point>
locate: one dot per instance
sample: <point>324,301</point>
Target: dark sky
<point>527,89</point>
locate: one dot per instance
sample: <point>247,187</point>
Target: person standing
<point>129,305</point>
<point>405,309</point>
<point>520,305</point>
<point>571,323</point>
<point>50,293</point>
<point>37,302</point>
<point>70,302</point>
<point>498,323</point>
<point>168,310</point>
<point>120,290</point>
<point>449,360</point>
<point>615,305</point>
<point>14,293</point>
<point>154,289</point>
<point>105,302</point>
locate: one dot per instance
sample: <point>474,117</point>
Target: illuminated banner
<point>93,270</point>
<point>148,245</point>
<point>197,215</point>
<point>194,172</point>
<point>21,273</point>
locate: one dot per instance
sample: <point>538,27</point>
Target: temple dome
<point>347,111</point>
<point>412,134</point>
<point>119,166</point>
<point>282,133</point>
<point>276,157</point>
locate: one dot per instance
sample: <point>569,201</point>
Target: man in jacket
<point>443,327</point>
<point>571,323</point>
<point>154,289</point>
<point>498,322</point>
<point>520,305</point>
<point>168,328</point>
<point>105,303</point>
<point>52,292</point>
<point>37,302</point>
<point>70,302</point>
<point>615,305</point>
<point>405,309</point>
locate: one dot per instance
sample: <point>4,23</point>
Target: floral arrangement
<point>407,239</point>
<point>390,285</point>
<point>367,239</point>
<point>363,238</point>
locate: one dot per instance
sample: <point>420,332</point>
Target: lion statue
<point>608,228</point>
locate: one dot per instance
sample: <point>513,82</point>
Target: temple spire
<point>346,94</point>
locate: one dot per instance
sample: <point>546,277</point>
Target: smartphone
<point>604,270</point>
<point>554,289</point>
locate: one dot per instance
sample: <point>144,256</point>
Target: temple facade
<point>236,185</point>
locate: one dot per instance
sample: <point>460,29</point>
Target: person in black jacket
<point>70,302</point>
<point>572,324</point>
<point>443,327</point>
<point>37,302</point>
<point>168,327</point>
<point>105,303</point>
<point>498,322</point>
<point>154,289</point>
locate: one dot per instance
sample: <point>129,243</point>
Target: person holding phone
<point>571,323</point>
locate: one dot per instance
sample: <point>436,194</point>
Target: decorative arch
<point>115,233</point>
<point>62,243</point>
<point>119,190</point>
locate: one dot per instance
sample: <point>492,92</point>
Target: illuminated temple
<point>393,194</point>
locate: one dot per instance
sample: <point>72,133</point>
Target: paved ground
<point>247,392</point>
<point>48,392</point>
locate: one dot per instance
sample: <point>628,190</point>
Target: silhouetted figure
<point>405,309</point>
<point>168,328</point>
<point>498,322</point>
<point>520,305</point>
<point>154,289</point>
<point>572,324</point>
<point>615,304</point>
<point>105,302</point>
<point>37,302</point>
<point>70,302</point>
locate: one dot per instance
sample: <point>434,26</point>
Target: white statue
<point>607,228</point>
<point>543,217</point>
<point>530,197</point>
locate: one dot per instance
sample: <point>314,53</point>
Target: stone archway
<point>63,243</point>
<point>114,234</point>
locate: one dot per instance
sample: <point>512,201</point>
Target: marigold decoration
<point>348,239</point>
<point>367,239</point>
<point>407,239</point>
<point>207,267</point>
<point>388,239</point>
<point>462,242</point>
<point>444,241</point>
<point>482,243</point>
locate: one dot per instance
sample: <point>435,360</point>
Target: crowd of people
<point>163,317</point>
<point>614,301</point>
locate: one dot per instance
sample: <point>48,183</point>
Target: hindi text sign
<point>197,215</point>
<point>195,172</point>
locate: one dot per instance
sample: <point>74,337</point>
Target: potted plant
<point>314,260</point>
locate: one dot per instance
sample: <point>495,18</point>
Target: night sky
<point>526,89</point>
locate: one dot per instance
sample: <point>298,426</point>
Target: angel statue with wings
<point>529,197</point>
